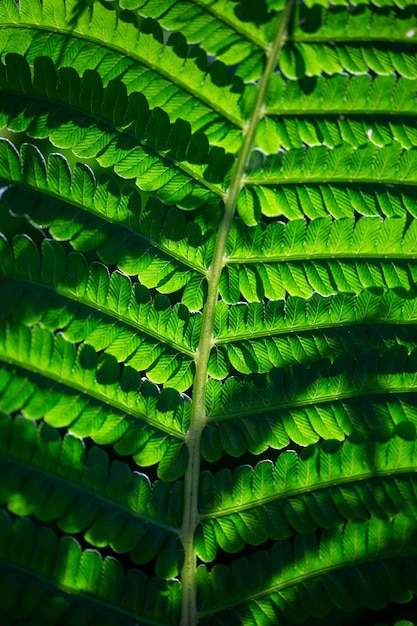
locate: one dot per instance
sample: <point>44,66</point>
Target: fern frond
<point>147,429</point>
<point>301,493</point>
<point>280,317</point>
<point>171,76</point>
<point>315,201</point>
<point>297,132</point>
<point>82,100</point>
<point>365,23</point>
<point>86,308</point>
<point>65,480</point>
<point>303,403</point>
<point>63,579</point>
<point>366,237</point>
<point>208,340</point>
<point>160,362</point>
<point>367,165</point>
<point>151,227</point>
<point>340,570</point>
<point>304,278</point>
<point>260,355</point>
<point>343,94</point>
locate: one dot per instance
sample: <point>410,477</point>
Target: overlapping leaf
<point>214,30</point>
<point>146,227</point>
<point>139,144</point>
<point>64,303</point>
<point>111,296</point>
<point>303,403</point>
<point>169,72</point>
<point>365,22</point>
<point>57,480</point>
<point>307,578</point>
<point>105,422</point>
<point>323,488</point>
<point>96,587</point>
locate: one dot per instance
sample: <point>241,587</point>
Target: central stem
<point>189,615</point>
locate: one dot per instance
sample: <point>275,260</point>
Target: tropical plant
<point>208,343</point>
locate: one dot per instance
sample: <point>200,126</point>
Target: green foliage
<point>208,340</point>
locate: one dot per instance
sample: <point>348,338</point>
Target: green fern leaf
<point>208,345</point>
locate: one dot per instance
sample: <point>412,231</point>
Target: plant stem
<point>189,615</point>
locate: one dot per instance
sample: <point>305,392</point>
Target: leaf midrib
<point>320,256</point>
<point>198,418</point>
<point>300,179</point>
<point>272,332</point>
<point>340,110</point>
<point>349,39</point>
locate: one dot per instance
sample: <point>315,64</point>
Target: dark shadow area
<point>310,19</point>
<point>362,617</point>
<point>80,9</point>
<point>255,12</point>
